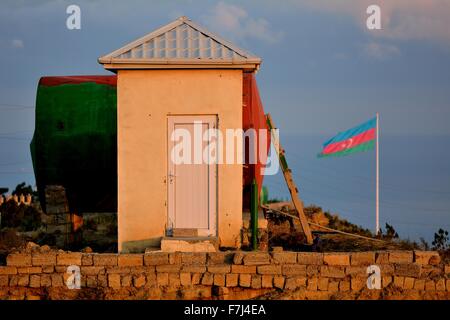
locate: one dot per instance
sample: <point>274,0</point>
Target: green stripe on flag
<point>366,146</point>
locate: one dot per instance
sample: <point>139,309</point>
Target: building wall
<point>145,98</point>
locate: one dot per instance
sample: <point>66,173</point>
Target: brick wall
<point>40,273</point>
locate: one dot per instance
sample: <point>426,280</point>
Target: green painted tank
<point>74,142</point>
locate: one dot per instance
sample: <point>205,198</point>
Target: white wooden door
<point>192,186</point>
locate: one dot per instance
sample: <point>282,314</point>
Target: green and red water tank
<point>75,139</point>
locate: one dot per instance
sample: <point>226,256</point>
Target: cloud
<point>380,51</point>
<point>401,19</point>
<point>234,21</point>
<point>17,43</point>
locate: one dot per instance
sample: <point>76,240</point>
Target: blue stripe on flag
<point>352,132</point>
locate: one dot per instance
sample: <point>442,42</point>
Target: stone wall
<point>40,273</point>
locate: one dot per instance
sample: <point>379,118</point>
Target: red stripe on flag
<point>351,142</point>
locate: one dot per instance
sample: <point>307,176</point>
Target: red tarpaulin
<point>56,81</point>
<point>253,117</point>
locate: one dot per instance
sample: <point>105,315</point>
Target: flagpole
<point>377,204</point>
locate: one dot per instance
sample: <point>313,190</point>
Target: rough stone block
<point>175,258</point>
<point>238,257</point>
<point>43,259</point>
<point>162,279</point>
<point>232,280</point>
<point>294,269</point>
<point>57,280</point>
<point>269,269</point>
<point>408,284</point>
<point>185,279</point>
<point>157,258</point>
<point>278,282</point>
<point>48,269</point>
<point>354,271</point>
<point>440,284</point>
<point>23,280</point>
<point>447,284</point>
<point>312,270</point>
<point>447,269</point>
<point>333,285</point>
<point>151,280</point>
<point>385,281</point>
<point>174,279</point>
<point>219,279</point>
<point>114,281</point>
<point>30,270</point>
<point>294,282</point>
<point>322,284</point>
<point>118,270</point>
<point>193,269</point>
<point>207,279</point>
<point>91,270</point>
<point>427,257</point>
<point>336,259</point>
<point>256,281</point>
<point>419,284</point>
<point>196,278</point>
<point>196,258</point>
<point>125,281</point>
<point>284,257</point>
<point>243,269</point>
<point>256,259</point>
<point>130,260</point>
<point>387,269</point>
<point>4,281</point>
<point>19,260</point>
<point>312,284</point>
<point>220,258</point>
<point>245,280</point>
<point>430,285</point>
<point>381,257</point>
<point>87,259</point>
<point>344,285</point>
<point>362,258</point>
<point>267,281</point>
<point>332,272</point>
<point>313,258</point>
<point>7,270</point>
<point>219,268</point>
<point>401,257</point>
<point>69,258</point>
<point>91,281</point>
<point>399,282</point>
<point>60,269</point>
<point>35,281</point>
<point>358,284</point>
<point>172,268</point>
<point>105,259</point>
<point>408,270</point>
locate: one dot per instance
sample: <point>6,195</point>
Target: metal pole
<point>377,205</point>
<point>254,214</point>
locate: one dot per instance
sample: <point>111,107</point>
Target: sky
<point>323,71</point>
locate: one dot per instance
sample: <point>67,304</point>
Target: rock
<point>31,247</point>
<point>87,250</point>
<point>45,248</point>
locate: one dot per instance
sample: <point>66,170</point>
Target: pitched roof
<point>180,44</point>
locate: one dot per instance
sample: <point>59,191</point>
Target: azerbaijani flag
<point>357,139</point>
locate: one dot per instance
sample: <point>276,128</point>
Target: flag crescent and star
<point>357,139</point>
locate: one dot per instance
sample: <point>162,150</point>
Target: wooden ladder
<point>298,204</point>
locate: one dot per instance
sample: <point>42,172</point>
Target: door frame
<point>212,120</point>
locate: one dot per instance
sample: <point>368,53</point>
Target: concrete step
<point>190,244</point>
